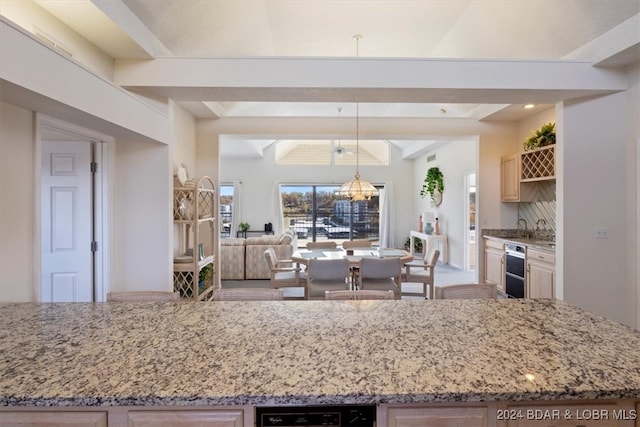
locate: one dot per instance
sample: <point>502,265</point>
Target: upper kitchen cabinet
<point>538,165</point>
<point>510,178</point>
<point>520,173</point>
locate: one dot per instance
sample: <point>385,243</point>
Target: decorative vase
<point>428,229</point>
<point>437,227</point>
<point>200,252</point>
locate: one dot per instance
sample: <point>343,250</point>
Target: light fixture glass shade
<point>357,190</point>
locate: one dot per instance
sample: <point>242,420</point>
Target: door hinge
<point>94,246</point>
<point>94,167</point>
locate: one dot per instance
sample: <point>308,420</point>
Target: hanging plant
<point>542,137</point>
<point>433,183</point>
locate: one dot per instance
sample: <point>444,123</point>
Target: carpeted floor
<point>444,275</point>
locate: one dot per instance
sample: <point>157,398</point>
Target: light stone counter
<point>301,352</point>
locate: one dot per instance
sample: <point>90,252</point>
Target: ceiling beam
<point>367,80</point>
<point>131,25</point>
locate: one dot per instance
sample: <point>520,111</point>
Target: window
<point>226,210</point>
<point>316,213</point>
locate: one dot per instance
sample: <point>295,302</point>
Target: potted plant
<point>433,185</point>
<point>244,226</point>
<point>542,137</point>
<point>417,244</point>
<point>204,276</point>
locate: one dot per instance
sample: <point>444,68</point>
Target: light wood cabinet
<point>521,174</point>
<point>510,178</point>
<point>438,417</point>
<point>541,271</point>
<point>494,263</point>
<point>52,419</point>
<point>176,418</point>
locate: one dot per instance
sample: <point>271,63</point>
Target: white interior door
<point>67,222</point>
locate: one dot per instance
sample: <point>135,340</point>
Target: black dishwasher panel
<point>316,416</point>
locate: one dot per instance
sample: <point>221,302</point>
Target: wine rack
<point>538,164</point>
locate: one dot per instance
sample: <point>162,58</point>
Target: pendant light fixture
<point>357,189</point>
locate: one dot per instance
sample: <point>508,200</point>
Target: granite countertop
<point>320,352</point>
<point>533,242</point>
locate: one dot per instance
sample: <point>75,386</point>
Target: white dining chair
<point>421,271</point>
<point>326,275</point>
<point>381,274</point>
<point>361,294</point>
<point>283,273</point>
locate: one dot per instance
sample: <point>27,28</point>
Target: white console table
<point>429,241</point>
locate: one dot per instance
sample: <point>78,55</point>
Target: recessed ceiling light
<point>529,106</point>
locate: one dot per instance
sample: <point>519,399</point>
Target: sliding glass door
<point>316,213</point>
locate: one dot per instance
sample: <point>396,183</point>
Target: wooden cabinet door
<point>438,417</point>
<point>177,418</point>
<point>52,419</point>
<point>510,178</point>
<point>541,271</point>
<point>493,267</point>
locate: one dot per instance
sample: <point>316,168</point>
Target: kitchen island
<point>392,353</point>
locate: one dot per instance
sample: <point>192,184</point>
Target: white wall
<point>533,123</point>
<point>633,178</point>
<point>39,78</point>
<point>592,192</point>
<point>16,204</point>
<point>183,139</point>
<point>259,175</point>
<point>142,218</point>
<point>454,160</point>
<point>30,16</point>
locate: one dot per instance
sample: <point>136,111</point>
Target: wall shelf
<point>194,206</point>
<point>538,164</point>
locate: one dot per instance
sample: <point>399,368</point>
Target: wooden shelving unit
<point>194,207</point>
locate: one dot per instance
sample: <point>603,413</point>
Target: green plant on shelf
<point>244,226</point>
<point>206,273</point>
<point>542,137</point>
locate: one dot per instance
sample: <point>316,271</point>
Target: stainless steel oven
<point>515,257</point>
<point>319,415</point>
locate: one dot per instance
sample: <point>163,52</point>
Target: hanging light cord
<point>357,38</point>
<point>357,139</point>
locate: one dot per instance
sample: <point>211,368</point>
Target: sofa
<point>243,259</point>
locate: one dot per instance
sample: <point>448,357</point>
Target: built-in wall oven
<point>315,416</point>
<point>515,257</point>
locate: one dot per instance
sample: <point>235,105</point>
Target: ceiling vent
<point>431,158</point>
<point>50,41</point>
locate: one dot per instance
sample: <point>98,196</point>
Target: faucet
<point>525,223</point>
<point>541,220</point>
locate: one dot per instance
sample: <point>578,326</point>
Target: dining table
<point>355,255</point>
<point>302,256</point>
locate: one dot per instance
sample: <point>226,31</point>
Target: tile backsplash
<point>543,210</point>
